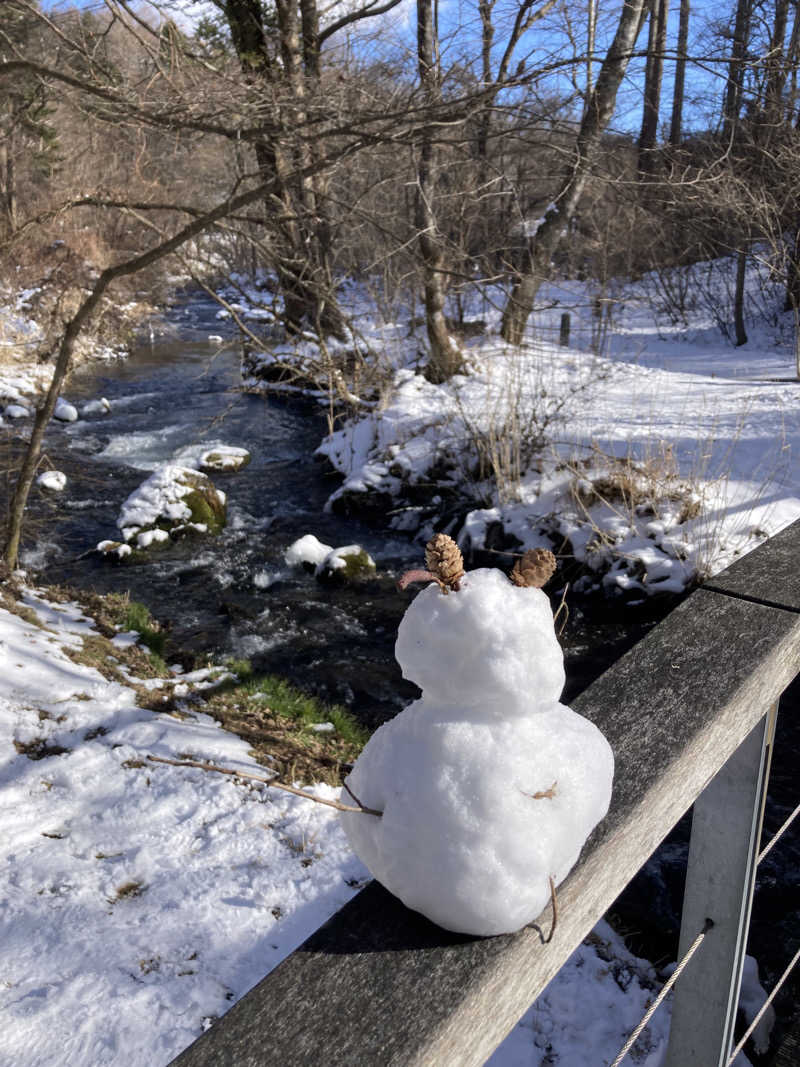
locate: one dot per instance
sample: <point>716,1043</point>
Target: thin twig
<point>554,905</point>
<point>544,794</point>
<point>418,575</point>
<point>266,781</point>
<point>563,605</point>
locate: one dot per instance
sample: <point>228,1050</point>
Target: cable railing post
<point>723,852</point>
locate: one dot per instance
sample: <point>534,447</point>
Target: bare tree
<point>544,241</point>
<point>654,69</point>
<point>676,122</point>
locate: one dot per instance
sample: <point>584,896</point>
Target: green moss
<point>206,507</point>
<point>356,565</point>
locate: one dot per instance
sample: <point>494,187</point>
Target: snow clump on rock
<point>489,787</point>
<point>55,481</point>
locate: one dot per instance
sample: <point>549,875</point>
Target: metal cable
<point>764,1007</point>
<point>779,833</point>
<point>670,982</point>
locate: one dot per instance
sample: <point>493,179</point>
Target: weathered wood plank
<point>380,985</point>
<point>770,574</point>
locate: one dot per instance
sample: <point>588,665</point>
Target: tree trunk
<point>445,358</point>
<point>676,123</point>
<point>303,245</point>
<point>654,71</point>
<point>600,107</point>
<point>732,103</point>
<point>738,299</point>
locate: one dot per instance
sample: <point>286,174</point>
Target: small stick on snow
<point>544,794</point>
<point>266,781</point>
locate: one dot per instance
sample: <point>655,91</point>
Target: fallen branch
<point>266,781</point>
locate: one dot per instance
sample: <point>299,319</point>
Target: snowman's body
<point>464,838</point>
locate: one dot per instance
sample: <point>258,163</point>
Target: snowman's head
<point>491,645</point>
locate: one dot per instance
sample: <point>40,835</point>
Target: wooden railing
<point>689,713</point>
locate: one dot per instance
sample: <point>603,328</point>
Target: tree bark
<point>302,253</point>
<point>600,107</point>
<point>445,358</point>
<point>732,103</point>
<point>676,123</point>
<point>738,299</point>
<point>654,71</point>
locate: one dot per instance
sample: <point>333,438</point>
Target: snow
<point>488,786</point>
<point>16,411</point>
<point>55,481</point>
<point>65,412</point>
<point>140,901</point>
<point>690,443</point>
<point>306,549</point>
<point>751,1000</point>
<point>223,458</point>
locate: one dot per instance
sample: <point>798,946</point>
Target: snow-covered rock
<point>16,411</point>
<point>489,787</point>
<point>65,412</point>
<point>224,458</point>
<point>329,564</point>
<point>345,564</point>
<point>307,551</point>
<point>173,498</point>
<point>100,406</point>
<point>55,481</point>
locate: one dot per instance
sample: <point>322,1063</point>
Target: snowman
<point>487,785</point>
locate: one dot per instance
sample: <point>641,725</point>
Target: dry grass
<point>635,487</point>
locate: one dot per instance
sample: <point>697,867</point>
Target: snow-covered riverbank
<point>654,463</point>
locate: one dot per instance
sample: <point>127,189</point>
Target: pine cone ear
<point>534,569</point>
<point>444,560</point>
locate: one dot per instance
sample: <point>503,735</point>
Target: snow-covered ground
<point>140,900</point>
<point>656,463</point>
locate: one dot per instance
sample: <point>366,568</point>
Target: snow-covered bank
<point>27,334</point>
<point>655,465</point>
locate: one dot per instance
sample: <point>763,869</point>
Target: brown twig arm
<point>418,575</point>
<point>266,781</point>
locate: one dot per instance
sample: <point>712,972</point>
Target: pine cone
<point>444,560</point>
<point>535,568</point>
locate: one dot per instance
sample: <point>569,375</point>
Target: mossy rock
<point>224,459</point>
<point>173,502</point>
<point>349,564</point>
<point>207,507</point>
